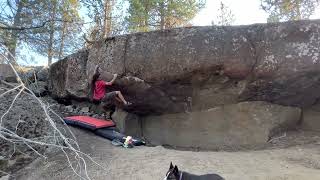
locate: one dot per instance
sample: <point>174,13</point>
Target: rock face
<point>231,126</point>
<point>311,119</point>
<point>39,88</point>
<point>203,66</point>
<point>33,73</point>
<point>219,65</point>
<point>42,73</point>
<point>27,120</point>
<point>7,74</point>
<point>67,78</point>
<point>127,123</point>
<point>186,71</point>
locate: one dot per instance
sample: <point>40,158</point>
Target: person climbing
<point>98,89</point>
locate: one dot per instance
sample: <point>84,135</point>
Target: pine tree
<point>12,14</point>
<point>288,10</point>
<point>41,25</point>
<point>146,15</point>
<point>225,16</point>
<point>59,36</point>
<point>107,17</point>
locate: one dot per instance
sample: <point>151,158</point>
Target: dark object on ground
<point>175,174</point>
<point>112,134</point>
<point>116,142</point>
<point>88,122</point>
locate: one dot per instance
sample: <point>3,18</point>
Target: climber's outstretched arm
<point>114,78</point>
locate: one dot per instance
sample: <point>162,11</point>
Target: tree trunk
<point>51,33</point>
<point>162,16</point>
<point>298,4</point>
<point>62,40</point>
<point>145,24</point>
<point>107,21</point>
<point>12,44</point>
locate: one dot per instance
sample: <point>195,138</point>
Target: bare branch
<point>7,27</point>
<point>67,145</point>
<point>87,40</point>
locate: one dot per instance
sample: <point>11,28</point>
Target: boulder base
<point>231,126</point>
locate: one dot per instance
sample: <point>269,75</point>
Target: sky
<point>245,11</point>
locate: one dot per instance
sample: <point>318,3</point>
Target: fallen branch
<point>8,84</point>
<point>276,138</point>
<point>68,146</point>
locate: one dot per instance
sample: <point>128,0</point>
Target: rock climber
<point>98,90</point>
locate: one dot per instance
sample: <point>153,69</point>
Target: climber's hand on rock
<point>96,68</point>
<point>114,78</point>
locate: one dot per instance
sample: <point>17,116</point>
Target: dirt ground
<point>294,157</point>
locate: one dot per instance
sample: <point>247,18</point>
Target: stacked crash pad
<point>103,128</point>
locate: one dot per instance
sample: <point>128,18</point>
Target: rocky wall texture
<point>210,66</point>
<point>26,119</point>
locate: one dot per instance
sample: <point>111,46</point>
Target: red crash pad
<point>88,122</point>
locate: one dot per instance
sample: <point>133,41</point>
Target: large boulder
<point>204,86</point>
<point>244,124</point>
<point>7,74</point>
<point>212,66</point>
<point>42,74</point>
<point>68,78</point>
<point>30,74</point>
<point>39,88</point>
<point>197,68</point>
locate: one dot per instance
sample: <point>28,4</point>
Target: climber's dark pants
<point>109,98</point>
<point>108,102</point>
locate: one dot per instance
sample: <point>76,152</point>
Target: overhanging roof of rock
<point>278,63</point>
<point>167,54</point>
